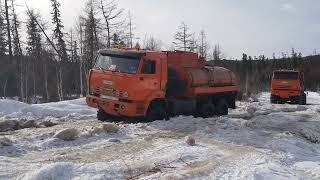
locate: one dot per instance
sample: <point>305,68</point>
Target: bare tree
<point>153,44</point>
<point>203,45</point>
<point>193,43</point>
<point>8,27</point>
<point>79,28</point>
<point>17,50</point>
<point>3,43</point>
<point>70,45</point>
<point>111,14</point>
<point>45,66</point>
<point>217,52</point>
<point>183,38</point>
<point>130,30</point>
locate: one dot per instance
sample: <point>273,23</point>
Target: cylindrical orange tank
<point>220,76</point>
<point>207,76</point>
<point>197,77</point>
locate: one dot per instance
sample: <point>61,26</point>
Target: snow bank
<point>66,171</point>
<point>311,168</point>
<point>62,171</point>
<point>10,109</point>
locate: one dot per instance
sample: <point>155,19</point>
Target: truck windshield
<point>117,64</point>
<point>286,75</point>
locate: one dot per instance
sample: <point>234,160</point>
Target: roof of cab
<point>123,53</point>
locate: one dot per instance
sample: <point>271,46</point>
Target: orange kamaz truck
<point>158,85</point>
<point>288,86</point>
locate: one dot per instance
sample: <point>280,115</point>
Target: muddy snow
<point>256,141</point>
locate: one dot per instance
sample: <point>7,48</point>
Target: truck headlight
<point>125,94</point>
<point>117,93</point>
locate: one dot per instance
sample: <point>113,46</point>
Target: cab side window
<point>149,67</point>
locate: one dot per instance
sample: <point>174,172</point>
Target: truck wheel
<point>273,100</point>
<point>296,100</point>
<point>303,99</point>
<point>207,110</point>
<point>155,112</point>
<point>222,107</point>
<point>281,101</point>
<point>102,115</point>
<point>232,102</point>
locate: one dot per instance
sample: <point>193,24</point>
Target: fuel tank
<point>207,76</point>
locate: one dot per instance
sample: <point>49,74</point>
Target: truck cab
<point>132,83</point>
<point>288,86</point>
<point>123,82</point>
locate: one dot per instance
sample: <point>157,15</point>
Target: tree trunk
<point>16,30</point>
<point>81,81</point>
<point>61,83</point>
<point>81,55</point>
<point>58,84</point>
<point>8,28</point>
<point>5,88</point>
<point>130,29</point>
<point>34,80</point>
<point>184,39</point>
<point>21,81</point>
<point>46,82</point>
<point>26,82</point>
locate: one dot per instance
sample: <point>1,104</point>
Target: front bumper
<point>117,108</point>
<point>285,94</point>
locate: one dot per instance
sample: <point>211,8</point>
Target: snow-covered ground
<point>256,141</point>
<point>75,109</point>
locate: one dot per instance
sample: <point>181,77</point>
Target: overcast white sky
<point>251,26</point>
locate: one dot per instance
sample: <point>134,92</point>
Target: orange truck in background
<point>158,85</point>
<point>288,86</point>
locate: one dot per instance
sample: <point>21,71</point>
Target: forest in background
<point>255,75</point>
<point>49,63</point>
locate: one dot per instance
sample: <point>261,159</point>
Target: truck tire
<point>156,111</point>
<point>232,102</point>
<point>273,100</point>
<point>207,110</point>
<point>221,107</point>
<point>296,100</point>
<point>102,115</point>
<point>303,99</point>
<point>281,101</point>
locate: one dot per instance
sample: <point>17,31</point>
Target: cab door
<point>150,76</point>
